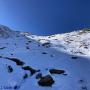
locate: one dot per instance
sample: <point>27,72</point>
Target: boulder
<point>10,69</point>
<point>56,71</point>
<point>74,57</point>
<point>32,70</point>
<point>46,81</point>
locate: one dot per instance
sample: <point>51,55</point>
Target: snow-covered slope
<point>26,59</point>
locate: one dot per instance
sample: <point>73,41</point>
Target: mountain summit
<point>6,32</point>
<point>56,62</point>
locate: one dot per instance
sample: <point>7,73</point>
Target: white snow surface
<point>59,49</point>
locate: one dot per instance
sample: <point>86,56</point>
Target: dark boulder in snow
<point>39,75</point>
<point>32,71</point>
<point>47,44</point>
<point>2,48</point>
<point>25,76</point>
<point>44,53</point>
<point>74,57</point>
<point>10,69</point>
<point>27,47</point>
<point>17,61</point>
<point>56,71</point>
<point>46,81</point>
<point>16,87</point>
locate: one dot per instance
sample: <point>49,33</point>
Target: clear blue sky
<point>44,17</point>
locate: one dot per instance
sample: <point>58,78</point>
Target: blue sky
<point>45,17</point>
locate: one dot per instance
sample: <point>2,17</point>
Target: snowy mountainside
<point>30,62</point>
<point>76,43</point>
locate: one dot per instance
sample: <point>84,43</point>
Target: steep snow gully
<point>56,62</point>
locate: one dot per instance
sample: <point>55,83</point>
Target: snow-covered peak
<point>6,32</point>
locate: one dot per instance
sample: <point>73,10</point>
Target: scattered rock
<point>44,53</point>
<point>74,57</point>
<point>39,75</point>
<point>47,45</point>
<point>25,76</point>
<point>84,88</point>
<point>29,41</point>
<point>16,87</point>
<point>27,47</point>
<point>46,81</point>
<point>81,81</point>
<point>86,47</point>
<point>10,69</point>
<point>11,54</point>
<point>38,45</point>
<point>56,71</point>
<point>17,61</point>
<point>1,57</point>
<point>32,71</point>
<point>2,47</point>
<point>55,39</point>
